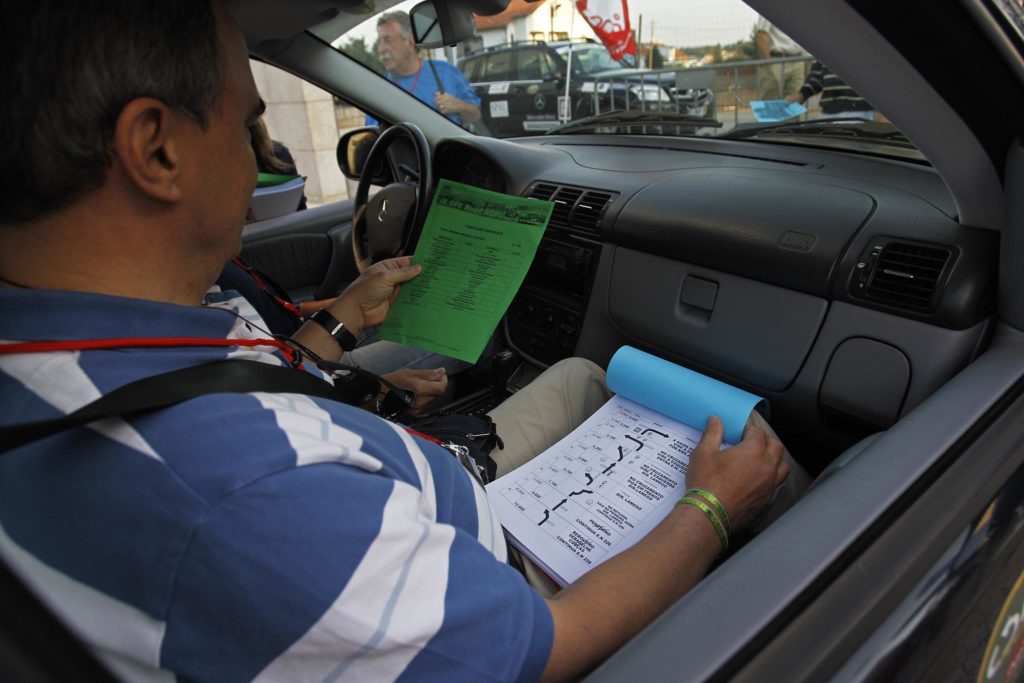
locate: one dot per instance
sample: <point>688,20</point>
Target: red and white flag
<point>610,21</point>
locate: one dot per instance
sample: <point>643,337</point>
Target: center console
<point>545,319</point>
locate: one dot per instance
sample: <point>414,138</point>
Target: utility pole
<point>640,43</point>
<point>554,8</point>
<point>650,59</point>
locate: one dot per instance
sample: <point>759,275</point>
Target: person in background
<point>777,80</point>
<point>439,84</point>
<point>838,100</point>
<point>272,156</point>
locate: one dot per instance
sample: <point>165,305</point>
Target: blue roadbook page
<point>770,111</point>
<point>609,482</point>
<point>677,392</point>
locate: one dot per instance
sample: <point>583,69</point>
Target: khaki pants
<point>780,80</point>
<point>561,399</point>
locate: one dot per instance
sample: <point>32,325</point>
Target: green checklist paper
<point>475,249</point>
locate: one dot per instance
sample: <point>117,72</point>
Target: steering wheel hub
<point>389,214</point>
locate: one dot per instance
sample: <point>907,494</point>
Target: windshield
<point>589,59</point>
<point>545,66</point>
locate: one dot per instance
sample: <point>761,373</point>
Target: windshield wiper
<point>619,118</point>
<point>834,128</point>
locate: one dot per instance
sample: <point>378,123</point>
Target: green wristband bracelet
<point>715,503</point>
<point>712,517</point>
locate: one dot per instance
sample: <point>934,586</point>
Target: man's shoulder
<point>446,68</point>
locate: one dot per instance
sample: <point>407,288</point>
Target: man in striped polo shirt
<point>838,100</point>
<point>267,536</point>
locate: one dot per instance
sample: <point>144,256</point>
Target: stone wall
<point>304,118</point>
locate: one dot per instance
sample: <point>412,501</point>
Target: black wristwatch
<point>346,340</point>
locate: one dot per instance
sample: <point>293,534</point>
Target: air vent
<point>907,275</point>
<point>542,191</point>
<point>588,212</point>
<point>576,209</point>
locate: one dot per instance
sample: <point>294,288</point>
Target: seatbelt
<point>167,389</point>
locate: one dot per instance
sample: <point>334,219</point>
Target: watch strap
<point>334,327</point>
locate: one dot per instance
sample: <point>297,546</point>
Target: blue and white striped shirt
<point>246,536</point>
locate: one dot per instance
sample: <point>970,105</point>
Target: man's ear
<point>147,142</point>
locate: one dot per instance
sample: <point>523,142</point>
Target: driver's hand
<point>366,302</point>
<point>426,384</point>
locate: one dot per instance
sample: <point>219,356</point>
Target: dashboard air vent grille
<point>543,191</point>
<point>576,209</point>
<point>588,211</point>
<point>564,201</point>
<point>907,275</point>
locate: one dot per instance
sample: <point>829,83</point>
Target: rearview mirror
<point>436,23</point>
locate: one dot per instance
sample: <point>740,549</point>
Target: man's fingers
<point>402,274</point>
<point>431,375</point>
<point>711,440</point>
<point>778,451</point>
<point>428,381</point>
<point>754,437</point>
<point>396,262</point>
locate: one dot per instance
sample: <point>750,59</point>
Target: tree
<point>357,49</point>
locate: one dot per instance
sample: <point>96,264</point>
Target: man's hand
<point>743,477</point>
<point>797,97</point>
<point>426,384</point>
<point>363,304</point>
<point>451,105</point>
<point>366,302</point>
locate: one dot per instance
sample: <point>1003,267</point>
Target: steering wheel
<point>389,223</point>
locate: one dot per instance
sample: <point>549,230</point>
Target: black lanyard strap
<point>167,389</point>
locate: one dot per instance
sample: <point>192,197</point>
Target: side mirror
<point>353,148</point>
<point>436,23</point>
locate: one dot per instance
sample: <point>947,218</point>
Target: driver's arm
<point>364,303</point>
<point>610,604</point>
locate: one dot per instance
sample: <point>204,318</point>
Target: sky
<point>684,23</point>
<point>680,23</point>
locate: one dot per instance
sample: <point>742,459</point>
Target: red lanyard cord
<point>282,302</point>
<point>145,342</point>
<point>414,81</point>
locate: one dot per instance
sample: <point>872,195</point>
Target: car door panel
<point>308,253</point>
<point>856,546</point>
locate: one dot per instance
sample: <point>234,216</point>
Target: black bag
<point>470,438</point>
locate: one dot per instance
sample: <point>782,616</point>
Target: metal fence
<point>721,91</point>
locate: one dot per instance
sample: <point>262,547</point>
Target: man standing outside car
<point>780,79</point>
<point>439,84</point>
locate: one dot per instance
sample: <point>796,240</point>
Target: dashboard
<point>839,287</point>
